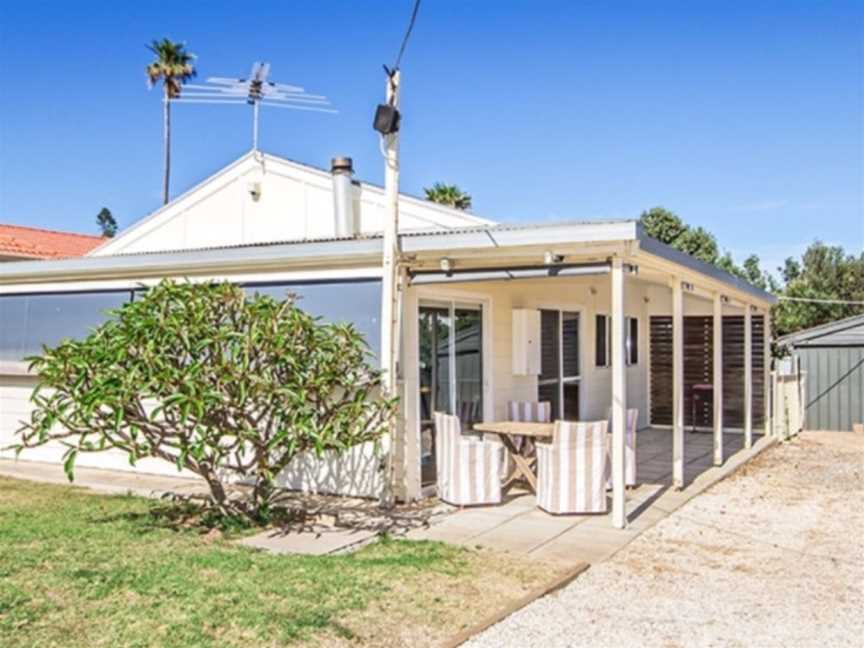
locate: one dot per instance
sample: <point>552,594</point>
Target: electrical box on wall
<point>526,342</point>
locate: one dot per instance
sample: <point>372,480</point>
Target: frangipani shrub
<point>227,386</point>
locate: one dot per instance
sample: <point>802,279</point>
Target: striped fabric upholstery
<point>571,471</point>
<point>469,470</point>
<point>530,411</point>
<point>629,448</point>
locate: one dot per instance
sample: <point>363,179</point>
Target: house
<point>490,312</point>
<point>19,243</point>
<point>832,357</point>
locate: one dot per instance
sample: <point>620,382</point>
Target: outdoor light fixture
<point>631,269</point>
<point>446,265</point>
<point>550,258</point>
<point>254,189</point>
<point>724,299</point>
<point>687,286</point>
<point>387,119</point>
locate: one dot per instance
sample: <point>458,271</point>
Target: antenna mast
<point>255,91</point>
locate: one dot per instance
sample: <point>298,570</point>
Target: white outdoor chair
<point>469,469</point>
<point>526,412</point>
<point>530,411</point>
<point>630,424</point>
<point>571,470</point>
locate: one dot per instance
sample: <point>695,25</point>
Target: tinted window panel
<point>28,322</point>
<point>357,302</point>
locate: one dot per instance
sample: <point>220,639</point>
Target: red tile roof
<point>34,243</point>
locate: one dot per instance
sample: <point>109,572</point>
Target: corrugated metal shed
<point>833,357</point>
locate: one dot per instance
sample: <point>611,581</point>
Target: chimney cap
<point>341,165</point>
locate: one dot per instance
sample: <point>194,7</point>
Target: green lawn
<point>79,569</point>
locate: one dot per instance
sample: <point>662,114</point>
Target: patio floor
<point>518,526</point>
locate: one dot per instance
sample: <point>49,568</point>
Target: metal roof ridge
<point>821,330</point>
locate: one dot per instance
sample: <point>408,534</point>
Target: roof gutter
<point>245,259</point>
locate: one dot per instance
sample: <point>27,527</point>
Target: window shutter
<point>548,345</point>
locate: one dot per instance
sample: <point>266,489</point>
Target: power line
<point>813,300</point>
<point>407,34</point>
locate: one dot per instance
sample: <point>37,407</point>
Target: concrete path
<point>103,481</point>
<point>771,557</point>
<point>518,526</point>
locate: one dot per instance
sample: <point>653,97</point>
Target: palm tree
<point>173,66</point>
<point>450,195</point>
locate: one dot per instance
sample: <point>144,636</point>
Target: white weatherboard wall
<point>15,407</point>
<point>295,203</point>
<point>353,473</point>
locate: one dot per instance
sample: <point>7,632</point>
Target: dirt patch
<point>426,611</point>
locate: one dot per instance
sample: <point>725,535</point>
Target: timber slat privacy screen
<point>699,369</point>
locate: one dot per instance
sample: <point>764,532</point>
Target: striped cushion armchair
<point>572,469</point>
<point>530,411</point>
<point>469,469</point>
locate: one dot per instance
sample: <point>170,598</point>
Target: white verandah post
<point>677,383</point>
<point>718,379</point>
<point>748,376</point>
<point>389,290</point>
<point>619,395</point>
<point>766,378</point>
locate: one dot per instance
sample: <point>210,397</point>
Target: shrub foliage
<point>229,387</point>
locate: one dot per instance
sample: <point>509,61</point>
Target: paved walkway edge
<point>550,588</point>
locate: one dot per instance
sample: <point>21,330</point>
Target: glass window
<point>603,341</point>
<point>27,322</point>
<point>558,382</point>
<point>451,372</point>
<point>468,349</point>
<point>357,302</point>
<point>632,340</point>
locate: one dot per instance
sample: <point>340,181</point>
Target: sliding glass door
<point>559,377</point>
<point>451,370</point>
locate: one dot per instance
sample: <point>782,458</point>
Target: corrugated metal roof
<point>825,331</point>
<point>473,229</point>
<point>501,235</point>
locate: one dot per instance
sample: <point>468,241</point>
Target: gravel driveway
<point>772,556</point>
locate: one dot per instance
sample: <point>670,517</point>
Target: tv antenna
<point>255,91</point>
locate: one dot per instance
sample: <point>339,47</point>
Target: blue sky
<point>743,118</point>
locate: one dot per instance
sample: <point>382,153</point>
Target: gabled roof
<point>24,242</point>
<point>823,331</point>
<point>433,215</point>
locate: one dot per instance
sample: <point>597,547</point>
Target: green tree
<point>449,195</point>
<point>229,387</point>
<point>107,224</point>
<point>825,273</point>
<point>667,227</point>
<point>173,66</point>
